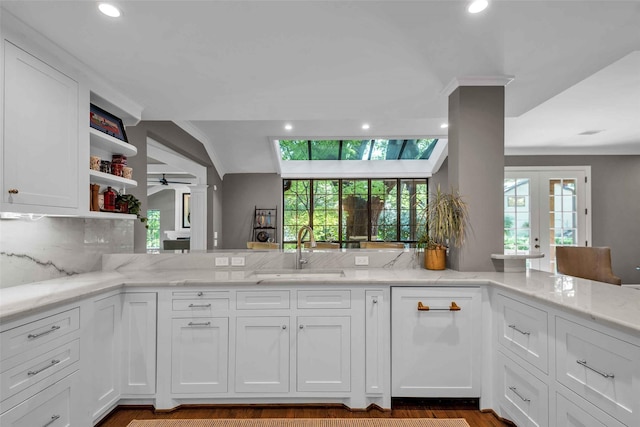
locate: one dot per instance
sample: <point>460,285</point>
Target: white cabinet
<point>199,355</point>
<point>139,344</point>
<point>376,341</point>
<point>54,406</point>
<point>570,414</point>
<point>106,353</point>
<point>323,353</point>
<point>436,348</point>
<point>40,145</point>
<point>602,369</point>
<point>262,354</point>
<point>522,397</point>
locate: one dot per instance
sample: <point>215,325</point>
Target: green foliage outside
<point>153,230</point>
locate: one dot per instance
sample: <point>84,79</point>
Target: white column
<point>198,208</point>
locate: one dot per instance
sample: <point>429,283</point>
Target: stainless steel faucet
<point>312,243</point>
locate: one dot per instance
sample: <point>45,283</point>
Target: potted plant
<point>128,203</point>
<point>446,218</point>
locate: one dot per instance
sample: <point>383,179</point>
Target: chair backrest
<point>262,245</point>
<point>377,245</point>
<point>322,245</point>
<point>593,263</point>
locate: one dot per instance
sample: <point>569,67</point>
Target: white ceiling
<point>235,71</point>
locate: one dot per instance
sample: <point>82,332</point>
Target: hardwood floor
<point>403,409</point>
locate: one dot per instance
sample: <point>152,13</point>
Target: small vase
<point>435,259</point>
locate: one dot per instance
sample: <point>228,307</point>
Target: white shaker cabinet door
<point>324,353</point>
<point>262,354</point>
<point>436,352</point>
<point>139,338</point>
<point>199,355</point>
<point>40,167</point>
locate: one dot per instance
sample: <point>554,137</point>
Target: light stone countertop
<point>613,305</point>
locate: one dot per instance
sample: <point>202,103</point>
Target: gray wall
<point>242,192</point>
<point>615,204</point>
<point>172,136</point>
<point>165,202</point>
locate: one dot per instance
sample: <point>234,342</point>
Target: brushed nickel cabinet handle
<point>51,421</point>
<point>584,363</point>
<point>53,328</point>
<point>515,391</point>
<point>200,324</point>
<point>53,363</point>
<point>199,305</point>
<point>515,328</point>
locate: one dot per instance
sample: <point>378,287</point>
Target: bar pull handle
<point>53,328</point>
<point>53,363</point>
<point>52,420</point>
<point>515,328</point>
<point>515,391</point>
<point>200,324</point>
<point>13,191</point>
<point>199,305</point>
<point>452,307</point>
<point>584,363</point>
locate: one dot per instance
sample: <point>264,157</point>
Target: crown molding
<point>456,82</point>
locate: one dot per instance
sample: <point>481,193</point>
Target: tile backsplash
<point>32,250</point>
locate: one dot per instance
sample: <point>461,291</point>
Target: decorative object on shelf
<point>106,122</point>
<point>265,225</point>
<point>127,172</point>
<point>116,169</point>
<point>131,204</point>
<point>446,219</point>
<point>119,159</point>
<point>94,201</point>
<point>94,163</point>
<point>186,210</point>
<point>105,166</point>
<point>110,200</point>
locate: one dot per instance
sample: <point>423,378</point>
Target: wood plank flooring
<point>419,409</point>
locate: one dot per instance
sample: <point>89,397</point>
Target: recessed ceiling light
<point>444,125</point>
<point>477,6</point>
<point>109,10</point>
<point>365,126</point>
<point>288,126</point>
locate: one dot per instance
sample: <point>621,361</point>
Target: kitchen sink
<point>297,274</point>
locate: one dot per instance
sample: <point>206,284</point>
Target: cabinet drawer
<point>523,330</point>
<point>524,396</point>
<point>602,369</point>
<point>53,406</point>
<point>569,414</point>
<point>200,302</point>
<point>262,300</point>
<point>339,298</point>
<point>28,336</point>
<point>32,371</point>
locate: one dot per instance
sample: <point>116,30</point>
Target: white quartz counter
<point>615,305</point>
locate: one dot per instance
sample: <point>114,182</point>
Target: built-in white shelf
<point>108,215</point>
<point>110,144</point>
<point>97,177</point>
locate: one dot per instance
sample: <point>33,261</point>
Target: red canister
<point>109,199</point>
<point>116,169</point>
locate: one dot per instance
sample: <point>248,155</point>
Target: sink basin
<point>301,274</point>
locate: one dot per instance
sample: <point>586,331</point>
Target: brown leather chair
<point>593,263</point>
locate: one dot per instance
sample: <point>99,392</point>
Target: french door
<point>545,207</point>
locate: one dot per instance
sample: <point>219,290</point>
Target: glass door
<point>545,208</point>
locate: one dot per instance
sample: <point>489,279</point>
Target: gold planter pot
<point>435,259</point>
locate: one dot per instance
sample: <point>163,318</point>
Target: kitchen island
<point>173,329</point>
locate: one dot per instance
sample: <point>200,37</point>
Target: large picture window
<point>348,211</point>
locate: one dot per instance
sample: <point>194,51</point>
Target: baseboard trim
<point>498,417</point>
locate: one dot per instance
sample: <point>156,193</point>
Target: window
<point>153,232</point>
<point>366,149</point>
<point>348,211</point>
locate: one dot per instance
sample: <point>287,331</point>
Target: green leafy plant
<point>446,217</point>
<point>133,206</point>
